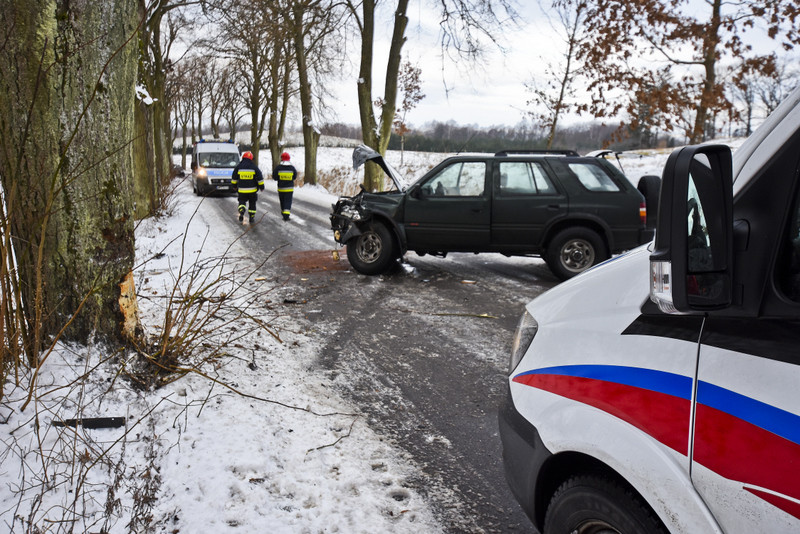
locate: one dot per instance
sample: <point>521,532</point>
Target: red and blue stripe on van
<point>738,437</point>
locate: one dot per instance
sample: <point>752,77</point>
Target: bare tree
<point>231,100</point>
<point>252,39</point>
<point>463,24</point>
<point>410,85</point>
<point>557,94</point>
<point>772,90</point>
<point>312,22</point>
<point>629,37</point>
<point>161,22</point>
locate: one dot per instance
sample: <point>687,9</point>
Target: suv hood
<point>363,153</point>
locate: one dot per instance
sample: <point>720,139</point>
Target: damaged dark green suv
<point>572,211</point>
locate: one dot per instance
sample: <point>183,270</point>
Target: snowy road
<point>423,351</point>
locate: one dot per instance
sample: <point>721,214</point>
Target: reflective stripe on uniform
<point>248,190</point>
<point>285,190</point>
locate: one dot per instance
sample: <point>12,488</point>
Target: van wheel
<point>574,250</point>
<point>595,505</point>
<point>373,251</point>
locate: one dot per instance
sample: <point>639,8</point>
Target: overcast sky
<point>494,94</point>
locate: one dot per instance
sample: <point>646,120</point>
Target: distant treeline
<point>452,137</point>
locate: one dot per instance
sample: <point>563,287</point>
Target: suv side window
<point>524,178</point>
<point>462,179</point>
<point>593,177</point>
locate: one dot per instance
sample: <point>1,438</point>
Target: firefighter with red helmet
<point>248,180</point>
<point>285,174</point>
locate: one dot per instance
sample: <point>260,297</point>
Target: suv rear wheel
<point>373,251</point>
<point>573,250</point>
<point>591,505</point>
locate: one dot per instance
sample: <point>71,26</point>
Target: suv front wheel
<point>373,251</point>
<point>573,250</point>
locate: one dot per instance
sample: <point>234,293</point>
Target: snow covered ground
<point>257,443</point>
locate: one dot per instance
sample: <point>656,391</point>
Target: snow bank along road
<point>422,351</point>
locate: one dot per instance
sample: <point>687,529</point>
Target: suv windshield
<point>218,159</point>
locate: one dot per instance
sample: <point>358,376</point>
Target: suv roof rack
<point>543,152</point>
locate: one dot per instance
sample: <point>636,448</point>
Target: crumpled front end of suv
<point>346,216</point>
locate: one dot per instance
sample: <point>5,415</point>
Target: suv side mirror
<point>691,269</point>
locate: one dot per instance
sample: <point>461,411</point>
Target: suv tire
<point>573,250</point>
<point>373,251</point>
<point>585,504</point>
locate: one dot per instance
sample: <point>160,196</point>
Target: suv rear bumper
<point>524,454</point>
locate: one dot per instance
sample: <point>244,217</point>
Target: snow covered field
<point>257,443</point>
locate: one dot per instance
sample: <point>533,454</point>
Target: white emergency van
<point>660,391</point>
<point>212,166</point>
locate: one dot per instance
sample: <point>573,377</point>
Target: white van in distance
<point>212,166</point>
<point>660,391</point>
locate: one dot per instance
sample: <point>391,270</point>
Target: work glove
<point>260,187</point>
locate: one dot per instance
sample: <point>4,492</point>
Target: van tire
<point>573,250</point>
<point>372,252</point>
<point>585,504</point>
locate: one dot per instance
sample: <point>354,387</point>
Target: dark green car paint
<point>501,218</point>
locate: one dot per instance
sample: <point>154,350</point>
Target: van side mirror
<point>691,269</point>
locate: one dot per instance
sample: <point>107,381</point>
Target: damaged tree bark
<point>67,93</point>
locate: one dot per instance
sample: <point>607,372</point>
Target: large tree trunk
<point>708,96</point>
<point>66,126</point>
<point>310,132</point>
<point>374,134</point>
<point>145,175</point>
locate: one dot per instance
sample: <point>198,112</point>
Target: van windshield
<point>225,160</point>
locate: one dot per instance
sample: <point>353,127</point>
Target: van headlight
<point>201,172</point>
<point>523,336</point>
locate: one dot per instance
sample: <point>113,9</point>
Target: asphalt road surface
<point>422,350</point>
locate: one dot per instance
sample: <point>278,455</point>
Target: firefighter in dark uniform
<point>248,180</point>
<point>285,174</point>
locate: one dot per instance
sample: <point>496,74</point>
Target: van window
<point>593,177</point>
<point>790,276</point>
<point>463,179</point>
<point>524,178</point>
<point>224,160</point>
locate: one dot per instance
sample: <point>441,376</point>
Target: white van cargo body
<point>660,391</point>
<point>212,166</point>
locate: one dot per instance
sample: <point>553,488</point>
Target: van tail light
<point>643,212</point>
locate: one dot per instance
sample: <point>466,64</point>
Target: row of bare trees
<point>674,66</point>
<point>264,62</point>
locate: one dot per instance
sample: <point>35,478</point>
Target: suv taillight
<point>643,212</point>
